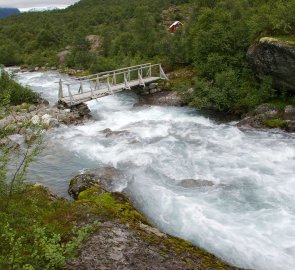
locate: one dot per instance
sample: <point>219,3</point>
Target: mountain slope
<point>5,12</point>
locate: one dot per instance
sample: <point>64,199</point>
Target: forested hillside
<point>213,40</point>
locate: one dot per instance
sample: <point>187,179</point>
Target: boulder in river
<point>110,133</point>
<point>80,183</point>
<point>192,183</point>
<point>102,177</point>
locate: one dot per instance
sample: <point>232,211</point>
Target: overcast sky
<point>28,4</point>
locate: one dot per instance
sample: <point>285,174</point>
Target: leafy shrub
<point>38,247</point>
<point>13,93</point>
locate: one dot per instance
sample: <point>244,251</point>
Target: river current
<point>244,212</point>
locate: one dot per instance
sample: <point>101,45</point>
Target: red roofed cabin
<point>172,28</point>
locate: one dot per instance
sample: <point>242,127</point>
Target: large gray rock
<point>82,109</point>
<point>62,56</point>
<point>163,98</point>
<point>110,133</point>
<point>80,183</point>
<point>257,117</point>
<point>290,126</point>
<point>271,57</point>
<point>102,178</point>
<point>194,183</point>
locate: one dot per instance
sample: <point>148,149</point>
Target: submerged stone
<point>191,183</point>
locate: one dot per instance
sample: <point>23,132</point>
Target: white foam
<point>247,217</point>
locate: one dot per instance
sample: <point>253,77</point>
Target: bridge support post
<point>149,73</point>
<point>97,86</point>
<point>109,85</point>
<point>127,86</point>
<point>162,73</point>
<point>114,78</point>
<point>141,82</point>
<point>60,90</point>
<point>70,94</point>
<point>81,88</point>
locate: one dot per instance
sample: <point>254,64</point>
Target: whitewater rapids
<point>244,213</point>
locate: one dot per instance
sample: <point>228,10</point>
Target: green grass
<point>275,123</point>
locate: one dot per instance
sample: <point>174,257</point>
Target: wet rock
<point>80,183</point>
<point>109,133</point>
<point>257,117</point>
<point>107,176</point>
<point>6,121</point>
<point>289,112</point>
<point>163,98</point>
<point>152,86</point>
<point>35,120</point>
<point>102,177</point>
<point>269,116</point>
<point>290,126</point>
<point>52,122</point>
<point>32,108</point>
<point>9,144</point>
<point>191,183</point>
<point>45,118</point>
<point>82,109</point>
<point>271,57</point>
<point>264,109</point>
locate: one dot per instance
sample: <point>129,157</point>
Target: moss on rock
<point>115,210</point>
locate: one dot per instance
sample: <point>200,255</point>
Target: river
<point>244,213</point>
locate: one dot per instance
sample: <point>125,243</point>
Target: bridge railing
<point>108,79</point>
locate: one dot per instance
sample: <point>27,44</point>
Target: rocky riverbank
<point>270,116</point>
<point>18,119</point>
<point>153,94</point>
<point>125,239</point>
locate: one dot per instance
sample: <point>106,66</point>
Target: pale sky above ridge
<point>24,5</point>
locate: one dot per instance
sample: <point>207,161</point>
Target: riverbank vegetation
<point>213,41</point>
<point>12,93</point>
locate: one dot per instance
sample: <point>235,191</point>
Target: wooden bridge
<point>102,84</point>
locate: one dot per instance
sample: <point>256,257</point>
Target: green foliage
<point>30,240</point>
<point>214,39</point>
<point>13,93</point>
<point>219,36</point>
<point>275,123</point>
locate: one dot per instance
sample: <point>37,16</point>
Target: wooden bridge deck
<point>107,83</point>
